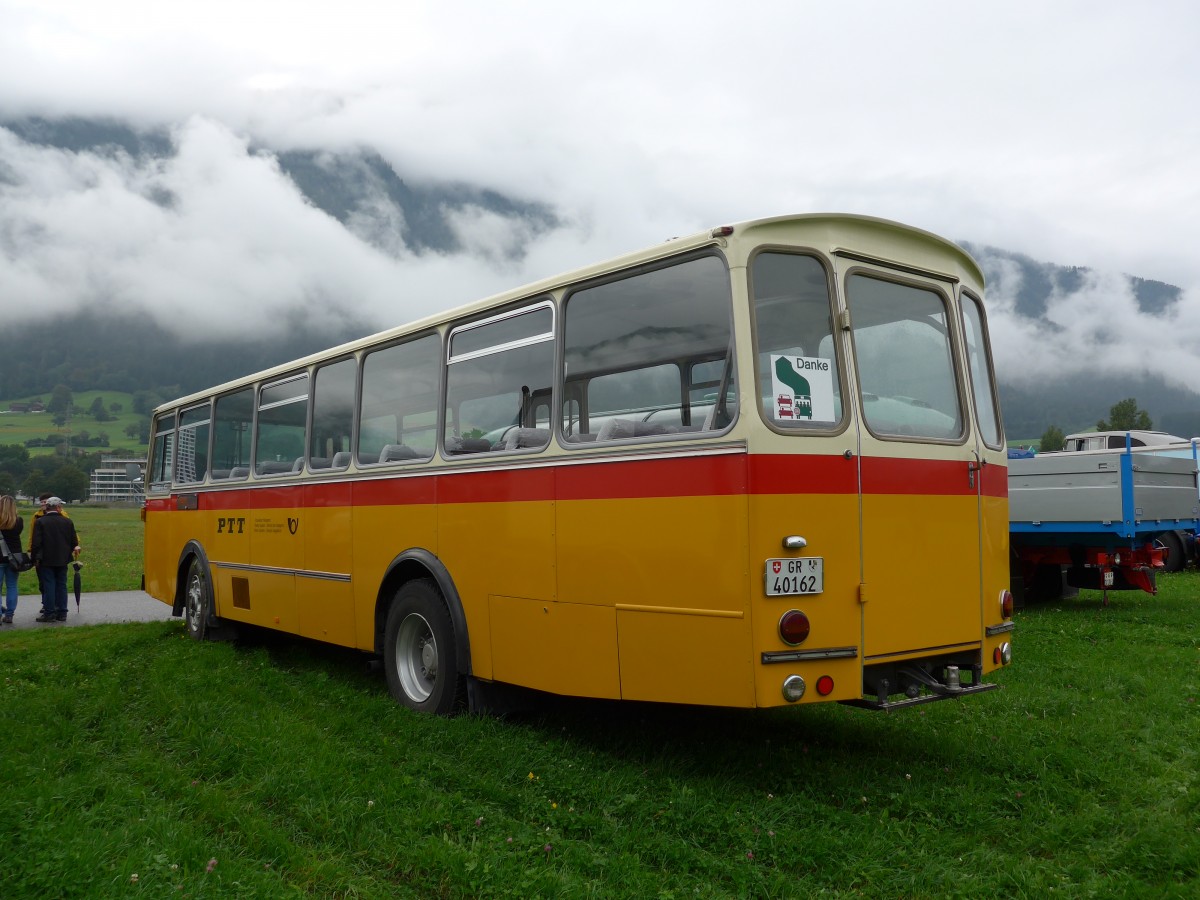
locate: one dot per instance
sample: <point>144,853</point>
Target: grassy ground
<point>112,548</point>
<point>139,763</point>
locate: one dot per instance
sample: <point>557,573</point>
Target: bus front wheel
<point>197,601</point>
<point>419,654</point>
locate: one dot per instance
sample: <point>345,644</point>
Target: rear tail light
<point>1002,655</point>
<point>793,627</point>
<point>1006,604</point>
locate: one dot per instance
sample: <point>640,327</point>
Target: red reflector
<point>1006,604</point>
<point>824,685</point>
<point>996,656</point>
<point>793,627</point>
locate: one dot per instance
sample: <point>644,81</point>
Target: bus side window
<point>191,466</point>
<point>163,456</point>
<point>398,417</point>
<point>282,415</point>
<point>646,356</point>
<point>498,374</point>
<point>232,417</point>
<point>333,415</point>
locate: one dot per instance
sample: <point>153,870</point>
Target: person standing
<point>11,525</point>
<point>41,576</point>
<point>55,544</point>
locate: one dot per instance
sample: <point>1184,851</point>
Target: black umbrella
<point>78,565</point>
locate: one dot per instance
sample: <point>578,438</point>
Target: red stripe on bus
<point>625,479</point>
<point>497,486</point>
<point>695,476</point>
<point>794,474</point>
<point>928,477</point>
<point>995,481</point>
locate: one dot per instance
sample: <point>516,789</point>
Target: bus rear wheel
<point>419,654</point>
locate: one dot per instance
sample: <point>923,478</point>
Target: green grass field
<point>139,763</point>
<point>112,548</point>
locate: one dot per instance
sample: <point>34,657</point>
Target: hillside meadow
<point>18,427</point>
<point>139,763</point>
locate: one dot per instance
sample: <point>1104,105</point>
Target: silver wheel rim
<point>416,658</point>
<point>195,602</point>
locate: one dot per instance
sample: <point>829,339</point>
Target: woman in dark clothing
<point>55,544</point>
<point>11,525</point>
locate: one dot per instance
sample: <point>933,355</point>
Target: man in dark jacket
<point>54,545</point>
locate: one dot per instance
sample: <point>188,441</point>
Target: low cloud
<point>215,239</point>
<point>1096,327</point>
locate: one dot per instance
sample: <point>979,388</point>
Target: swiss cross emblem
<point>776,565</point>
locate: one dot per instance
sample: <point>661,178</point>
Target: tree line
<point>1125,415</point>
<point>21,473</point>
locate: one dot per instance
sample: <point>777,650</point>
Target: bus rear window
<point>798,372</point>
<point>905,365</point>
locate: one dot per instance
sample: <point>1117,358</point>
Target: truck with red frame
<point>1096,519</point>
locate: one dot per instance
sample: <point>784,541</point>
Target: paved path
<point>94,609</point>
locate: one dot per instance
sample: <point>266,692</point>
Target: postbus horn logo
<point>802,406</point>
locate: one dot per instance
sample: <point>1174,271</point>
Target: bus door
<point>804,491</point>
<point>918,469</point>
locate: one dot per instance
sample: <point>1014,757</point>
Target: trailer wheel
<point>1171,542</point>
<point>419,653</point>
<point>1047,585</point>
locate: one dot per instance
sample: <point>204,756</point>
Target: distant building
<point>111,484</point>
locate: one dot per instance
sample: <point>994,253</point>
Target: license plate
<point>803,575</point>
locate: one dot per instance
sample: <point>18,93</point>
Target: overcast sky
<point>1067,131</point>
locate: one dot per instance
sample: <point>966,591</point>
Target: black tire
<point>197,601</point>
<point>420,657</point>
<point>1176,559</point>
<point>1047,585</point>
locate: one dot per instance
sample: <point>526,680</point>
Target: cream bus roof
<point>854,235</point>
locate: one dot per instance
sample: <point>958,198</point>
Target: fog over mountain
<point>195,233</point>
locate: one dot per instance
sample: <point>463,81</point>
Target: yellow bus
<point>759,466</point>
